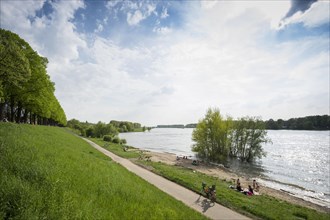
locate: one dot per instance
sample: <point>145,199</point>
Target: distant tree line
<point>218,138</point>
<point>26,92</point>
<point>126,126</point>
<point>177,126</point>
<point>100,129</point>
<point>170,126</point>
<point>317,122</point>
<point>191,126</point>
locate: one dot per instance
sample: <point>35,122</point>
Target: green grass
<point>138,130</point>
<point>48,173</point>
<point>263,206</point>
<point>117,148</point>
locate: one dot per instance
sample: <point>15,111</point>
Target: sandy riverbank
<point>224,173</point>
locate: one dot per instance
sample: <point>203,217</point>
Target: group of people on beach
<point>250,190</point>
<point>183,157</point>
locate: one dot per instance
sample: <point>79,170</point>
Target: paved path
<point>190,198</point>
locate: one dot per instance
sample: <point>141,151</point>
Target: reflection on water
<point>251,170</point>
<point>297,161</point>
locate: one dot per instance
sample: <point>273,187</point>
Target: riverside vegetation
<point>258,207</point>
<point>218,138</point>
<point>48,173</point>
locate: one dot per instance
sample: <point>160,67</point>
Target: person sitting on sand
<point>255,186</point>
<point>238,187</point>
<point>249,192</point>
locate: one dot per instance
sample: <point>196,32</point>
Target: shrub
<point>107,138</point>
<point>123,141</point>
<point>116,140</point>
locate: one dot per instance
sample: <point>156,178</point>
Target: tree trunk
<point>31,118</point>
<point>34,118</point>
<point>19,112</point>
<point>2,108</point>
<point>12,109</point>
<point>25,116</point>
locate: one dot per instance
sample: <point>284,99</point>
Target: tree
<point>247,138</point>
<point>101,129</point>
<point>217,138</point>
<point>212,136</point>
<point>26,92</point>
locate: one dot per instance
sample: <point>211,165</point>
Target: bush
<point>116,140</point>
<point>123,141</point>
<point>107,138</point>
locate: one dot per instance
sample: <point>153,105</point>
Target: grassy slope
<point>265,207</point>
<point>45,172</point>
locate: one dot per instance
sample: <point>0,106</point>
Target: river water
<point>297,162</point>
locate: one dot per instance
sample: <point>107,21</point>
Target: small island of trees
<point>218,138</point>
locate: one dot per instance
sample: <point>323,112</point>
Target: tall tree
<point>217,138</point>
<point>247,138</point>
<point>26,91</point>
<point>212,136</point>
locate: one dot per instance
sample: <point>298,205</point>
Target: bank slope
<point>46,172</point>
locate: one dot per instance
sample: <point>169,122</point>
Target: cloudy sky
<point>165,62</point>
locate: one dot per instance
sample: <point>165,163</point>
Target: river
<point>297,161</point>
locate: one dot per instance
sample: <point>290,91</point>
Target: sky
<point>167,62</point>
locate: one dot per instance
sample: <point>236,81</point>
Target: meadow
<point>49,173</point>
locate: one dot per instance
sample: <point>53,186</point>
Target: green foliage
<point>123,141</point>
<point>100,129</point>
<point>47,173</point>
<point>247,138</point>
<point>218,138</point>
<point>107,138</point>
<point>212,136</point>
<point>317,122</point>
<point>116,140</point>
<point>26,92</point>
<point>126,126</point>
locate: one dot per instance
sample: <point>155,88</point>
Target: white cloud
<point>151,9</point>
<point>135,18</point>
<point>99,25</point>
<point>164,14</point>
<point>12,12</point>
<point>99,28</point>
<point>54,36</point>
<point>112,3</point>
<point>316,15</point>
<point>162,30</point>
<point>138,12</point>
<point>215,60</point>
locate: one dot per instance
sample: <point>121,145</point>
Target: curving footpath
<point>190,198</point>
